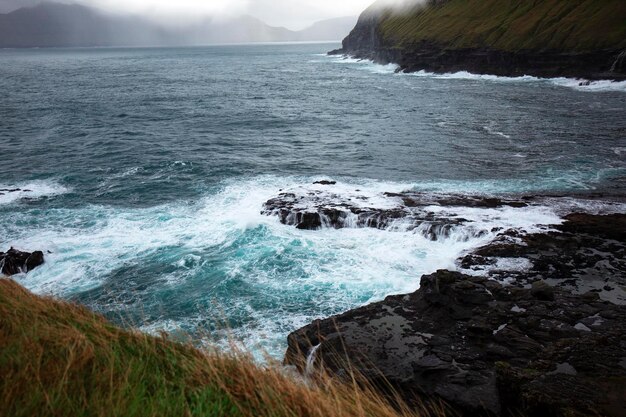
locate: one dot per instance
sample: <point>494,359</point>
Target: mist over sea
<point>144,173</point>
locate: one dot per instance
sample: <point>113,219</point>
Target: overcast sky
<point>294,14</point>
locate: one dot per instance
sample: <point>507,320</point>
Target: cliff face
<point>581,38</point>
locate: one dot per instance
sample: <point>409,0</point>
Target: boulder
<point>15,262</point>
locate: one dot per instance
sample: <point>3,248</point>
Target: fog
<point>400,6</point>
<point>293,14</point>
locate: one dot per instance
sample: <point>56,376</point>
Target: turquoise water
<point>148,169</point>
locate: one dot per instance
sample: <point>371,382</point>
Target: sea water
<point>147,170</point>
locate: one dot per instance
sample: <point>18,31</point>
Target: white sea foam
<point>619,151</point>
<point>500,264</point>
<point>492,130</point>
<point>30,190</point>
<point>464,75</point>
<point>565,205</point>
<point>336,269</point>
<point>366,65</point>
<point>577,84</point>
<point>593,86</point>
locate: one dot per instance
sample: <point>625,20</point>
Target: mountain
<point>328,30</point>
<point>7,6</point>
<point>578,38</point>
<point>242,29</point>
<point>58,25</point>
<point>53,24</point>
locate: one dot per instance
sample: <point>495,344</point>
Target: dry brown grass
<point>60,359</point>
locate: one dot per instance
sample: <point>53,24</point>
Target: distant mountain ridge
<point>73,25</point>
<point>574,38</point>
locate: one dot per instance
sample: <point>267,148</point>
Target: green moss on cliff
<point>512,25</point>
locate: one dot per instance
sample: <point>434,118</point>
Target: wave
<point>491,129</point>
<point>464,75</point>
<point>365,64</point>
<point>573,83</point>
<point>30,190</point>
<point>177,267</point>
<point>590,86</point>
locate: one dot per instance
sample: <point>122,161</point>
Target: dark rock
<point>611,226</point>
<point>34,260</point>
<point>325,182</point>
<point>582,255</point>
<point>312,209</point>
<point>542,291</point>
<point>308,221</point>
<point>506,354</point>
<point>15,262</point>
<point>532,344</point>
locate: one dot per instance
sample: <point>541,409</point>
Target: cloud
<point>294,14</point>
<point>399,5</point>
<point>171,9</point>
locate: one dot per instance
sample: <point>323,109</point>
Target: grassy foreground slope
<point>59,359</point>
<point>510,25</point>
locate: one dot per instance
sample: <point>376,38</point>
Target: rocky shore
<point>531,323</point>
<point>436,58</point>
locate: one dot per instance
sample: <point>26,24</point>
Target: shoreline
<point>496,340</point>
<point>522,303</point>
<point>439,60</point>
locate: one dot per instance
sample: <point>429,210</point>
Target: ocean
<point>144,173</point>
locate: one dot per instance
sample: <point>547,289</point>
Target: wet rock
<point>325,182</point>
<point>34,260</point>
<point>308,221</point>
<point>542,291</point>
<point>611,226</point>
<point>480,346</point>
<point>587,253</point>
<point>15,262</point>
<point>312,209</point>
<point>535,341</point>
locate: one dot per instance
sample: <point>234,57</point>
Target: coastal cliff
<point>552,38</point>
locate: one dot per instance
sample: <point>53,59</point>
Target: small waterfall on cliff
<point>619,63</point>
<point>310,359</point>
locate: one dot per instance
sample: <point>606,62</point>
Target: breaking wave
<point>185,266</point>
<point>30,190</point>
<point>576,84</point>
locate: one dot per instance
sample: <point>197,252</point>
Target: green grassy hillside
<point>512,25</point>
<point>59,359</point>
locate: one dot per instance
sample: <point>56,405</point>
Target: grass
<point>511,25</point>
<point>61,359</point>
